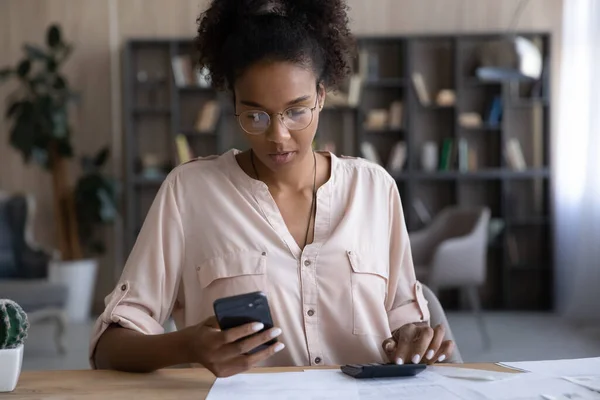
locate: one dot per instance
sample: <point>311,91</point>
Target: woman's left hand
<point>418,343</point>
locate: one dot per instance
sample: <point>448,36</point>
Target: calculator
<point>377,370</point>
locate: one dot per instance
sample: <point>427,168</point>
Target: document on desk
<point>575,367</point>
<point>333,384</point>
<point>534,386</point>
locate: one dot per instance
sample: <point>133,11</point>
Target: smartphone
<point>243,309</point>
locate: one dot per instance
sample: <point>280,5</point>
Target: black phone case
<point>243,309</point>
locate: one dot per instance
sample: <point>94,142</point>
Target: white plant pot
<point>10,368</point>
<point>80,278</point>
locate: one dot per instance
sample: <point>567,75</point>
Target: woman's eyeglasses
<point>295,118</point>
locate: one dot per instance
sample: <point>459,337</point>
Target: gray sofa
<point>24,267</point>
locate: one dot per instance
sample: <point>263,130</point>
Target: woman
<point>324,237</point>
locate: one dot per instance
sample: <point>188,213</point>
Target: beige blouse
<point>213,231</point>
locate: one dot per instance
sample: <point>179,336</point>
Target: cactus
<point>13,325</point>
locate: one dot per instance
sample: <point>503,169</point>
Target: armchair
<point>452,253</point>
<point>24,267</point>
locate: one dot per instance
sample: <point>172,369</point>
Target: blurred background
<point>484,111</point>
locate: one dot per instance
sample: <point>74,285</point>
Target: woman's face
<point>274,88</point>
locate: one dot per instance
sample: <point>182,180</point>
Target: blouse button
<point>310,313</point>
<point>264,253</point>
<point>123,287</point>
<point>318,360</point>
<point>306,263</point>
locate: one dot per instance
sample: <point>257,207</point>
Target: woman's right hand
<point>224,352</point>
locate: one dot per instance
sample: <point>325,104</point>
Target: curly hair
<point>235,34</point>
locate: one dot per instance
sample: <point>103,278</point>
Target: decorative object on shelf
<point>14,327</point>
<point>397,157</point>
<point>429,156</point>
<point>369,152</point>
<point>142,76</point>
<point>470,120</point>
<point>377,119</point>
<point>42,134</point>
<point>507,59</point>
<point>203,78</point>
<point>421,89</point>
<point>446,98</point>
<point>396,114</point>
<point>151,166</point>
<point>496,227</point>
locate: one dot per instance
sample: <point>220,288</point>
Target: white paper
<point>334,384</point>
<point>284,386</point>
<point>471,374</point>
<point>591,382</point>
<point>533,386</point>
<point>582,366</point>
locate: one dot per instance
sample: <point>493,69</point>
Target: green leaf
<point>24,68</point>
<point>22,138</point>
<point>53,36</point>
<point>34,52</point>
<point>101,157</point>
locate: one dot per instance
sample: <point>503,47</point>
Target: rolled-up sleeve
<point>144,296</point>
<point>406,302</point>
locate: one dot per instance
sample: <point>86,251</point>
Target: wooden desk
<point>164,384</point>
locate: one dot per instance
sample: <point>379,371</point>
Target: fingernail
<point>442,358</point>
<point>278,347</point>
<point>275,332</point>
<point>416,359</point>
<point>399,361</point>
<point>258,327</point>
<point>429,354</point>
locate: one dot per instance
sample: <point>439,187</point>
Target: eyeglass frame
<point>280,114</point>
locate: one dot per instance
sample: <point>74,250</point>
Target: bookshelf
<point>484,172</point>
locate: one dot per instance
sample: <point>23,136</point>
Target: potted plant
<point>13,332</point>
<point>41,132</point>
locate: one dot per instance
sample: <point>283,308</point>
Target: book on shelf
<point>397,157</point>
<point>369,152</point>
<point>514,155</point>
<point>446,156</point>
<point>421,89</point>
<point>351,98</point>
<point>208,117</point>
<point>396,114</point>
<point>184,151</point>
<point>463,155</point>
<point>422,212</point>
<point>183,72</point>
<point>494,116</point>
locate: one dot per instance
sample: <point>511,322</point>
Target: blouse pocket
<point>233,274</point>
<point>369,291</point>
